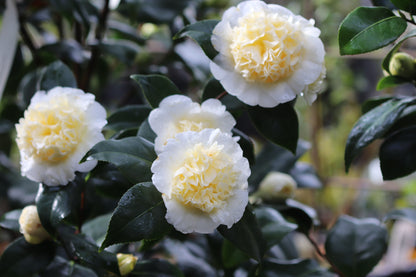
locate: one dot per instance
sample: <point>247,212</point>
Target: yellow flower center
<point>206,178</point>
<point>195,125</point>
<point>265,47</point>
<point>50,132</point>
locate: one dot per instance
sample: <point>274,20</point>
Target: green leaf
<point>201,32</point>
<point>57,74</point>
<point>146,132</point>
<point>390,81</point>
<point>274,158</point>
<point>291,268</point>
<point>372,103</point>
<point>139,215</point>
<point>373,125</point>
<point>133,156</point>
<point>123,51</point>
<point>398,154</point>
<point>405,213</point>
<point>303,215</point>
<point>386,61</point>
<point>155,88</point>
<point>405,5</point>
<point>59,204</point>
<point>66,50</point>
<point>246,235</point>
<point>10,220</point>
<point>64,268</point>
<point>96,228</point>
<point>82,249</point>
<point>355,246</point>
<point>231,256</point>
<point>21,259</point>
<point>127,117</point>
<point>305,176</point>
<point>246,145</point>
<point>125,31</point>
<point>279,125</point>
<point>155,268</point>
<point>273,226</point>
<point>369,28</point>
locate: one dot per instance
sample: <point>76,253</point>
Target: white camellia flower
<point>267,54</point>
<point>30,225</point>
<point>203,180</point>
<point>177,114</point>
<point>57,130</point>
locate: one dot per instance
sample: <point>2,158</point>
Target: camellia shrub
<point>169,183</point>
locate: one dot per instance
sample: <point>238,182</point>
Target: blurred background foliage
<point>137,39</point>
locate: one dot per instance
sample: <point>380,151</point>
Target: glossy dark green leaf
<point>155,88</point>
<point>298,268</point>
<point>246,235</point>
<point>155,268</point>
<point>66,50</point>
<point>96,228</point>
<point>355,246</point>
<point>57,74</point>
<point>133,156</point>
<point>123,51</point>
<point>274,158</point>
<point>305,176</point>
<point>246,145</point>
<point>405,5</point>
<point>59,204</point>
<point>64,268</point>
<point>304,216</point>
<point>373,125</point>
<point>107,180</point>
<point>127,117</point>
<point>405,213</point>
<point>214,89</point>
<point>372,103</point>
<point>390,81</point>
<point>386,61</point>
<point>87,252</point>
<point>140,214</point>
<point>21,259</point>
<point>201,32</point>
<point>231,256</point>
<point>273,226</point>
<point>279,125</point>
<point>146,132</point>
<point>191,257</point>
<point>369,28</point>
<point>398,154</point>
<point>10,220</point>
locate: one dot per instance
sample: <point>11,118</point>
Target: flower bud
<point>276,186</point>
<point>126,263</point>
<point>30,225</point>
<point>402,65</point>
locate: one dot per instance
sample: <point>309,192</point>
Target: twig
<point>323,255</point>
<point>95,51</point>
<point>221,95</point>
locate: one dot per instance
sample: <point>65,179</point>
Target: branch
<point>323,255</point>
